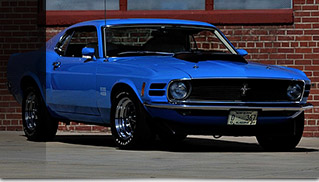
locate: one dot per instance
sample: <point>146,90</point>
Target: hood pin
<point>195,67</point>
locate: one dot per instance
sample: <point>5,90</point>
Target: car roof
<point>144,21</point>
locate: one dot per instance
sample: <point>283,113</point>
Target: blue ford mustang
<point>147,77</point>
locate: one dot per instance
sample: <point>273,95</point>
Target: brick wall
<point>19,32</point>
<point>295,45</point>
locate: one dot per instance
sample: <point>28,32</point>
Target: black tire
<point>130,124</point>
<point>38,125</point>
<point>284,143</point>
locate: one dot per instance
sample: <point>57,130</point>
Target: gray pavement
<point>94,156</point>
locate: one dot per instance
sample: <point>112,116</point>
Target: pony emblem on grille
<point>244,89</point>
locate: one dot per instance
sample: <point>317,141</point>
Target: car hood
<point>210,68</point>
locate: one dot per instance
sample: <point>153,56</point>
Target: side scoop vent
<point>157,89</point>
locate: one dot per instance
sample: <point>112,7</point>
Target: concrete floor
<point>94,156</point>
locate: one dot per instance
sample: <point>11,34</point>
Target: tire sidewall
<point>141,129</point>
<point>284,143</point>
<point>46,126</point>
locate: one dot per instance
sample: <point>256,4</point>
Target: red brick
<point>268,50</point>
<point>314,7</point>
<point>285,62</point>
<point>303,50</point>
<point>83,128</point>
<point>285,38</point>
<point>310,19</point>
<point>299,2</point>
<point>315,13</point>
<point>13,116</point>
<point>303,26</point>
<point>303,62</point>
<point>14,128</point>
<point>277,56</point>
<point>312,32</point>
<point>294,32</point>
<point>307,134</point>
<point>267,38</point>
<point>286,50</point>
<point>311,128</point>
<point>311,56</point>
<point>303,38</point>
<point>301,13</point>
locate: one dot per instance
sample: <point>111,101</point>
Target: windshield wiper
<point>141,53</point>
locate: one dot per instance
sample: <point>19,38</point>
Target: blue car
<point>157,77</point>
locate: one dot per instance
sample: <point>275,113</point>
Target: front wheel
<point>284,143</point>
<point>129,121</point>
<point>38,125</point>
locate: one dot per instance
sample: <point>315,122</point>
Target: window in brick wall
<point>166,5</point>
<point>212,11</point>
<point>252,4</point>
<point>81,5</point>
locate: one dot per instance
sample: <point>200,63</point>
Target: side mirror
<point>88,52</point>
<point>242,52</point>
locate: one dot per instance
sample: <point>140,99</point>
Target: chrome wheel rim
<point>125,118</point>
<point>31,111</point>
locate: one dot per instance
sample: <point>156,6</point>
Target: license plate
<point>242,118</point>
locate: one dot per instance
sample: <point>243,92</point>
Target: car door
<point>73,77</point>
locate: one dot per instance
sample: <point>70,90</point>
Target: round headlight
<point>294,92</point>
<point>178,90</point>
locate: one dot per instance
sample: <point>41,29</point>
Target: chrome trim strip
<point>231,102</point>
<point>204,107</point>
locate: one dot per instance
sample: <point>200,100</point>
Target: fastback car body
<point>147,76</point>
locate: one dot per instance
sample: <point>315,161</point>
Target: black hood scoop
<point>197,57</point>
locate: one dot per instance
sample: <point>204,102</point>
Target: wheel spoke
<point>31,111</point>
<point>125,118</point>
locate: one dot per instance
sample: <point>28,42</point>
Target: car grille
<point>246,90</point>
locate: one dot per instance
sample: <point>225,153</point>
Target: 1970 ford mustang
<point>147,77</point>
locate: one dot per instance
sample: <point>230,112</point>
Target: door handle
<point>56,65</point>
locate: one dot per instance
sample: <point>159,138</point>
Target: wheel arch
<point>122,85</point>
<point>29,80</point>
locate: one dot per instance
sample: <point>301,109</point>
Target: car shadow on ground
<point>188,145</point>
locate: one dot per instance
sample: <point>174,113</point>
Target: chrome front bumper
<point>227,108</point>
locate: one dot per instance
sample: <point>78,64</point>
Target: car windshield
<point>164,40</point>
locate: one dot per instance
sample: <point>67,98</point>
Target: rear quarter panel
<point>30,64</point>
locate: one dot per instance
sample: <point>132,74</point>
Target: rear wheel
<point>129,121</point>
<point>38,125</point>
<point>284,143</point>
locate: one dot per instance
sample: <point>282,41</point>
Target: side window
<point>74,41</point>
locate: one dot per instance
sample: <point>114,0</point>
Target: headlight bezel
<point>171,98</point>
<point>295,86</point>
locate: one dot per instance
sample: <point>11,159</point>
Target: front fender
<point>131,84</point>
<point>104,96</point>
